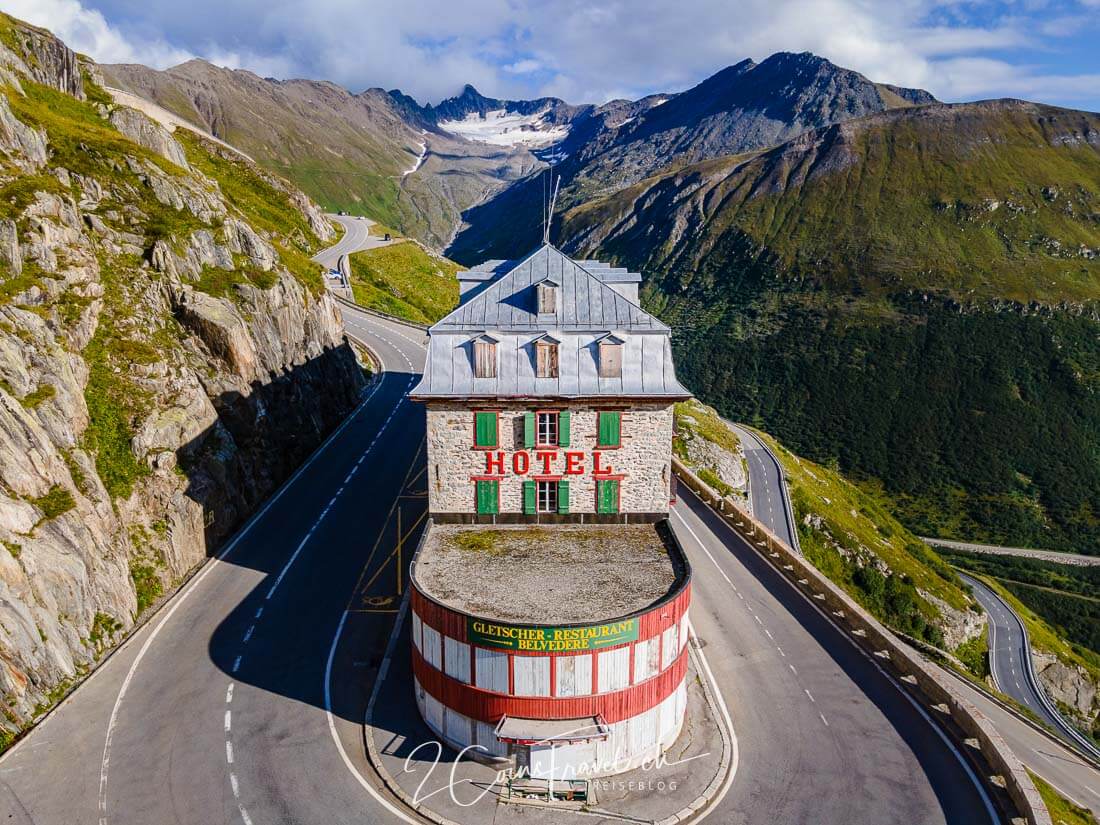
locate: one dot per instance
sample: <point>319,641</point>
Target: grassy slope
<point>835,515</point>
<point>896,201</point>
<point>1062,811</point>
<point>404,280</point>
<point>815,289</point>
<point>80,140</point>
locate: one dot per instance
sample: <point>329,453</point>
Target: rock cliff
<point>168,356</point>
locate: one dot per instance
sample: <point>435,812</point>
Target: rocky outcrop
<point>1068,685</point>
<point>147,133</point>
<point>141,418</point>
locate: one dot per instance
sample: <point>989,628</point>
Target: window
<point>548,297</point>
<point>485,357</point>
<point>611,357</point>
<point>607,496</point>
<point>485,429</point>
<point>546,359</point>
<point>546,494</point>
<point>488,497</point>
<point>610,429</point>
<point>546,429</point>
<point>546,432</point>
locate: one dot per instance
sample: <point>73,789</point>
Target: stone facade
<point>642,461</point>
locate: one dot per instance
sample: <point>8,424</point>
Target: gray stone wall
<point>643,459</point>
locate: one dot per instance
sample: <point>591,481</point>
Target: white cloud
<point>583,50</point>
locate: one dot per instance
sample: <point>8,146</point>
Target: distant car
<point>387,237</point>
<point>362,218</point>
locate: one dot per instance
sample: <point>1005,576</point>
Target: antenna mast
<point>550,211</point>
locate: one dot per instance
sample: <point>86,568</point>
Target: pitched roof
<point>504,309</point>
<point>584,303</point>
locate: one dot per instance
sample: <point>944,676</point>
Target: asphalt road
<point>824,735</point>
<point>356,237</point>
<point>218,708</point>
<point>1010,662</point>
<point>767,488</point>
<point>1063,768</point>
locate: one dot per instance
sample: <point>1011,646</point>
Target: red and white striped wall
<point>637,688</point>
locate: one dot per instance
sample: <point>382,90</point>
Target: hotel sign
<point>550,639</point>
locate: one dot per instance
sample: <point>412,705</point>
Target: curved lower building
<point>550,603</point>
<point>562,649</point>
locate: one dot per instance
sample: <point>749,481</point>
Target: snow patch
<point>502,128</point>
<point>419,158</point>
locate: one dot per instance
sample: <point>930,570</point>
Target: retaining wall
<point>932,689</point>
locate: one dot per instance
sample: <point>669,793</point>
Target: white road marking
<point>769,633</point>
<point>229,693</point>
<point>228,721</point>
<point>781,653</point>
<point>823,719</point>
<point>809,694</point>
<point>795,672</point>
<point>228,751</point>
<point>236,664</point>
<point>236,787</point>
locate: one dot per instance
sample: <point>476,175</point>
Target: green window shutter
<point>609,429</point>
<point>563,428</point>
<point>563,496</point>
<point>487,497</point>
<point>485,429</point>
<point>529,430</point>
<point>607,495</point>
<point>529,497</point>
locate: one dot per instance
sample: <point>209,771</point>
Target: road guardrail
<point>930,688</point>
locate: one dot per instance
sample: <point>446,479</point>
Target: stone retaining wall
<point>933,689</point>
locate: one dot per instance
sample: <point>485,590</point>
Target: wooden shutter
<point>485,359</point>
<point>607,495</point>
<point>610,430</point>
<point>529,497</point>
<point>611,360</point>
<point>485,429</point>
<point>546,360</point>
<point>563,496</point>
<point>563,428</point>
<point>528,430</point>
<point>548,299</point>
<point>487,495</point>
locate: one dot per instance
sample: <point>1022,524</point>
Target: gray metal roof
<point>585,302</point>
<point>588,310</point>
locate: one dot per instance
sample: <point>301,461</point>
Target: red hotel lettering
<point>573,465</point>
<point>597,470</point>
<point>521,462</point>
<point>546,459</point>
<point>494,462</point>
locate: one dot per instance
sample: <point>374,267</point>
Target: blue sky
<point>593,50</point>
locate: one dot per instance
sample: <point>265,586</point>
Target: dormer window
<point>546,356</point>
<point>611,356</point>
<point>547,291</point>
<point>485,356</point>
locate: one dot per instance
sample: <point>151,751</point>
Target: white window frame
<point>546,422</point>
<point>546,496</point>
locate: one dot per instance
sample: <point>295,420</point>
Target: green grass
<point>704,421</point>
<point>43,392</point>
<point>974,654</point>
<point>404,280</point>
<point>15,549</point>
<point>147,584</point>
<point>114,400</point>
<point>19,193</point>
<point>54,503</point>
<point>1062,811</point>
<point>379,229</point>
